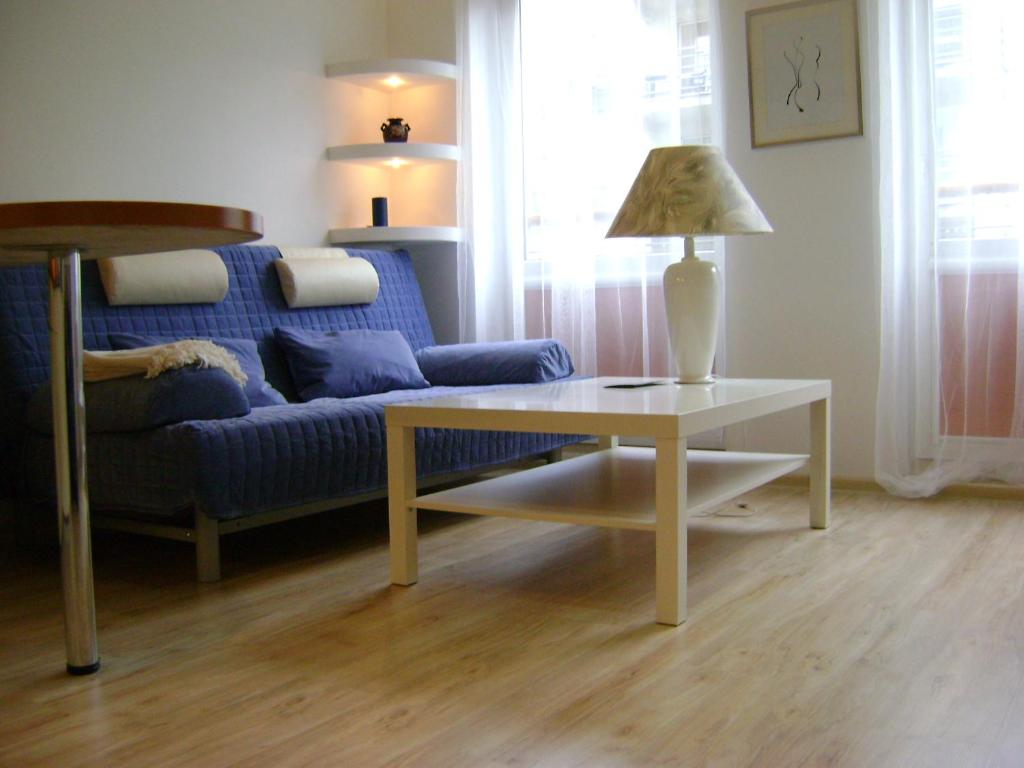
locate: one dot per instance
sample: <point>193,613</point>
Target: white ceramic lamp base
<point>691,308</point>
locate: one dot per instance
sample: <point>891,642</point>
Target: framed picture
<point>803,67</point>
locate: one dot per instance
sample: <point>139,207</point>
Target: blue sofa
<point>198,480</point>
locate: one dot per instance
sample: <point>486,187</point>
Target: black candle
<point>380,211</point>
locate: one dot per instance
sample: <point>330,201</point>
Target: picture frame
<point>803,72</point>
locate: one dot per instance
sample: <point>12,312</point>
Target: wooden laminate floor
<point>895,638</point>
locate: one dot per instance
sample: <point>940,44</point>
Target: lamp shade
<point>689,190</point>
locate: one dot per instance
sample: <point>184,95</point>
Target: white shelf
<point>394,236</point>
<point>381,74</point>
<point>385,152</point>
<point>612,489</point>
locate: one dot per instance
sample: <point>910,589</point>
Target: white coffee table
<point>617,487</point>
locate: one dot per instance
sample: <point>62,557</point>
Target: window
<point>695,61</point>
<point>600,89</point>
<point>978,85</point>
<point>977,102</point>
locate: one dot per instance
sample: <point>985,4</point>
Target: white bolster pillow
<point>174,277</point>
<point>311,252</point>
<point>327,282</point>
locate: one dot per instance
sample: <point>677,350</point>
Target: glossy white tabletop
<point>594,396</point>
<point>589,404</point>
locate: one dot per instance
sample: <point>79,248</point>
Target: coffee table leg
<point>670,530</point>
<point>607,442</point>
<point>821,463</point>
<point>69,447</point>
<point>402,516</point>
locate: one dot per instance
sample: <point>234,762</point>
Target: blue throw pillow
<point>257,389</point>
<point>349,363</point>
<point>133,403</point>
<point>500,362</point>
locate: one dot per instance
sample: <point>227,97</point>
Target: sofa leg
<point>555,454</point>
<point>207,548</point>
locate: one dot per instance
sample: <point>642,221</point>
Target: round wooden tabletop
<point>98,228</point>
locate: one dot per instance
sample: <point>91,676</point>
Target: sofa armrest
<point>501,362</point>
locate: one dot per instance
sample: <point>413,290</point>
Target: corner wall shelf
<point>383,152</point>
<point>393,74</point>
<point>394,236</point>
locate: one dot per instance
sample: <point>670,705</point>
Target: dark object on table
<point>638,385</point>
<point>395,130</point>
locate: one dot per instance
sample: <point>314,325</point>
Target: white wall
<point>422,29</point>
<point>189,100</point>
<point>803,302</point>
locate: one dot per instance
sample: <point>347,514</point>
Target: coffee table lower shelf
<point>612,488</point>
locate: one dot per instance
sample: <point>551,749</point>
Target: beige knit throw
<point>152,361</point>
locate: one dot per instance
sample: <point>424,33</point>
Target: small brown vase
<point>395,130</point>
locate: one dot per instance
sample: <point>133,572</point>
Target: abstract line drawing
<point>796,63</point>
<point>803,65</point>
<point>817,68</point>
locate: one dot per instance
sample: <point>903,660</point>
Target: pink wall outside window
<point>619,319</point>
<point>979,349</point>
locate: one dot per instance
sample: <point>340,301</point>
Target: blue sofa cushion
<point>349,363</point>
<point>503,362</point>
<point>134,403</point>
<point>257,389</point>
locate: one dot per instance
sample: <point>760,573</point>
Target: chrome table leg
<point>69,445</point>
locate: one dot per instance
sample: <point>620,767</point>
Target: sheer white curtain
<point>950,168</point>
<point>490,180</point>
<point>602,84</point>
<point>560,102</point>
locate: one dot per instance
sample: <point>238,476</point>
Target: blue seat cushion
<point>257,389</point>
<point>274,457</point>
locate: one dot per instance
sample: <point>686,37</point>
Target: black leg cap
<point>85,669</point>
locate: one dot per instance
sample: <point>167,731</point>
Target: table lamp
<point>689,191</point>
